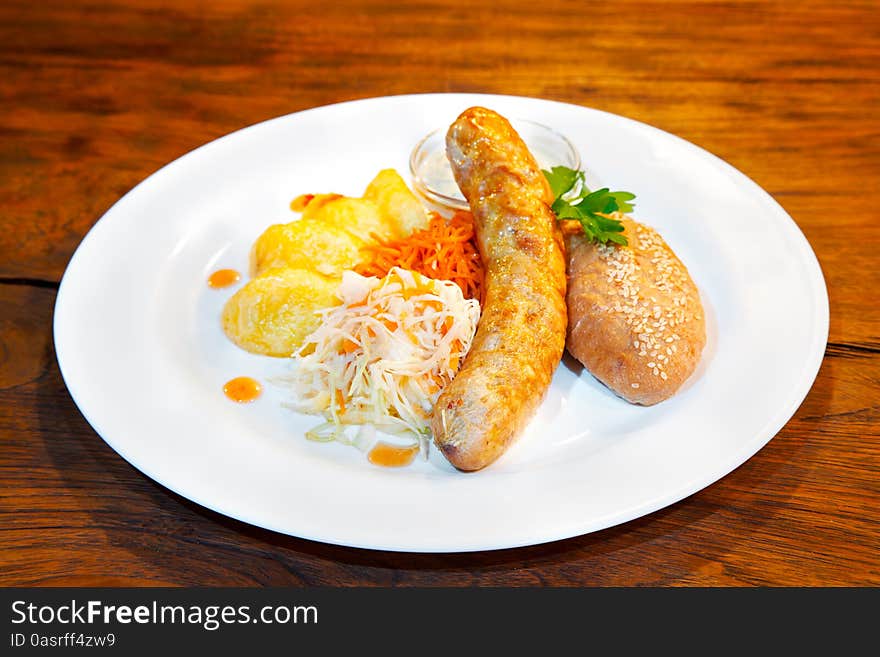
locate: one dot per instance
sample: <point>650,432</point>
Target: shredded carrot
<point>349,346</point>
<point>444,250</point>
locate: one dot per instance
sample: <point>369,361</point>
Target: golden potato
<point>298,265</point>
<point>358,216</point>
<point>396,202</point>
<point>275,311</point>
<point>310,243</point>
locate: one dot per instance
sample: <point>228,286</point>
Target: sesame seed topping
<point>666,304</point>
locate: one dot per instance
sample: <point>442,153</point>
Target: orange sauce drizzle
<point>223,278</point>
<point>242,389</point>
<point>300,202</point>
<point>392,456</point>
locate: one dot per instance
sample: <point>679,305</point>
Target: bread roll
<point>635,320</point>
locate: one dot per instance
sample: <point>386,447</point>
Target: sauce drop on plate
<point>392,456</point>
<point>223,278</point>
<point>242,389</point>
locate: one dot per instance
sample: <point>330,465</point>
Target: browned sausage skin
<point>521,334</point>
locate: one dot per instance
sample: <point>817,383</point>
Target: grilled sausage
<point>635,319</point>
<point>521,334</point>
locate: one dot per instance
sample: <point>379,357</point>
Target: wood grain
<point>96,96</point>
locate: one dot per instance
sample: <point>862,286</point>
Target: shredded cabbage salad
<point>381,358</point>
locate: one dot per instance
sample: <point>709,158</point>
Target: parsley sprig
<point>574,200</point>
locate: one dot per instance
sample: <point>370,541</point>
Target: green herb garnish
<point>573,200</point>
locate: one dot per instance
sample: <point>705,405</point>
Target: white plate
<point>142,353</point>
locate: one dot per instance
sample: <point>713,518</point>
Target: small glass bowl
<point>432,175</point>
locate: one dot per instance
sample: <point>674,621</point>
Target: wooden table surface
<point>96,96</point>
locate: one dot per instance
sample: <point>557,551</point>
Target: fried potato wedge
<point>396,202</point>
<point>275,311</point>
<point>297,266</point>
<point>360,217</point>
<point>310,243</point>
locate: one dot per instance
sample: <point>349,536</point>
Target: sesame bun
<point>635,320</point>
